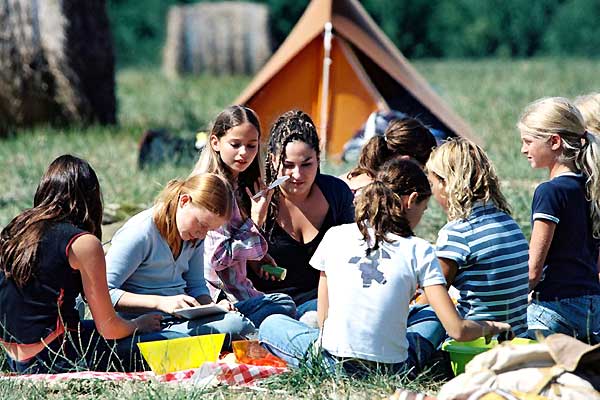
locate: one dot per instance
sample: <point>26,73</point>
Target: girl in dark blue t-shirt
<point>563,255</point>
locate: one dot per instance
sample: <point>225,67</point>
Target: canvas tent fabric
<point>367,73</point>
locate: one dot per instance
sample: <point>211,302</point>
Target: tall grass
<point>489,94</point>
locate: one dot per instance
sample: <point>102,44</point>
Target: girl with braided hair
<point>301,210</point>
<point>369,271</point>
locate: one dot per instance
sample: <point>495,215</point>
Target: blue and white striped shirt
<point>492,257</point>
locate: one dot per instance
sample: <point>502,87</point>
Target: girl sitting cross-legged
<point>369,271</point>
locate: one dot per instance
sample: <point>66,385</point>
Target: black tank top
<point>29,314</point>
<point>302,280</point>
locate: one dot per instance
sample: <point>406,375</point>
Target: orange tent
<point>338,66</point>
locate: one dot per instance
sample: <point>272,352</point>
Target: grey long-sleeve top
<point>140,261</point>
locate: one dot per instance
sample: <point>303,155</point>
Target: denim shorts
<point>578,317</point>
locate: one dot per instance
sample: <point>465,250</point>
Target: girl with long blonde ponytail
<point>563,256</point>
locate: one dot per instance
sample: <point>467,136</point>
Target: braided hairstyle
<point>294,125</point>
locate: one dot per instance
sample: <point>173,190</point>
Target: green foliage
<point>574,29</point>
<point>419,28</point>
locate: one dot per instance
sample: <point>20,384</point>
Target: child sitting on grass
<point>49,254</point>
<point>482,250</point>
<point>369,271</point>
<point>563,256</point>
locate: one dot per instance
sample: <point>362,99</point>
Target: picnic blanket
<point>209,373</point>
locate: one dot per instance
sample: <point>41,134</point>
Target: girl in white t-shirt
<point>369,272</point>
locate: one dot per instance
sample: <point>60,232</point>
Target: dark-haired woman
<point>50,254</point>
<point>369,271</point>
<point>301,210</point>
<point>403,138</point>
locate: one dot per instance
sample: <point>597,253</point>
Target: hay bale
<point>218,38</point>
<point>56,62</point>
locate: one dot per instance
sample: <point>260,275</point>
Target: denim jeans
<point>310,305</point>
<point>257,309</point>
<point>578,317</point>
<point>80,350</point>
<point>296,343</point>
<point>425,333</point>
<point>233,324</point>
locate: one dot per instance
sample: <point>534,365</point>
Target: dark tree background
<point>420,28</point>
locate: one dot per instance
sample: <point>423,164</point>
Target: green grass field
<point>488,94</point>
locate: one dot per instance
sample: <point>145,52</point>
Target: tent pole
<point>324,112</point>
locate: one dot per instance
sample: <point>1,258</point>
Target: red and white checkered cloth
<point>222,372</point>
<point>234,374</point>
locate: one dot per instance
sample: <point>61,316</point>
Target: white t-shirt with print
<point>369,296</point>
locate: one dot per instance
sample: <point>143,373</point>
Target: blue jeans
<point>425,333</point>
<point>310,305</point>
<point>80,350</point>
<point>295,343</point>
<point>233,324</point>
<point>258,308</point>
<point>578,317</point>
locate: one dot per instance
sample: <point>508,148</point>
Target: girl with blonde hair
<point>155,262</point>
<point>233,152</point>
<point>563,256</point>
<point>589,106</point>
<point>481,249</point>
<point>369,271</point>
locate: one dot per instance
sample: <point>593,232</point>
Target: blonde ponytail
<point>589,163</point>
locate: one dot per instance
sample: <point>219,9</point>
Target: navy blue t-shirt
<point>570,269</point>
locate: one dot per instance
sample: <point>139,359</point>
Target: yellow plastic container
<point>462,352</point>
<point>182,353</point>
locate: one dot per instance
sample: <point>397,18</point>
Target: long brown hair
<point>294,125</point>
<point>403,137</point>
<point>210,160</point>
<point>379,205</point>
<point>69,191</point>
<point>208,191</point>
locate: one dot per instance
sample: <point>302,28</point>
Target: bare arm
<point>458,328</point>
<point>322,300</point>
<point>541,238</point>
<point>87,256</point>
<point>449,268</point>
<point>140,303</point>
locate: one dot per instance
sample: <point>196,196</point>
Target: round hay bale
<point>56,62</point>
<point>217,38</point>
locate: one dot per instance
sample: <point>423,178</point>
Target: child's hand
<point>227,304</point>
<point>259,205</point>
<point>256,267</point>
<point>147,323</point>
